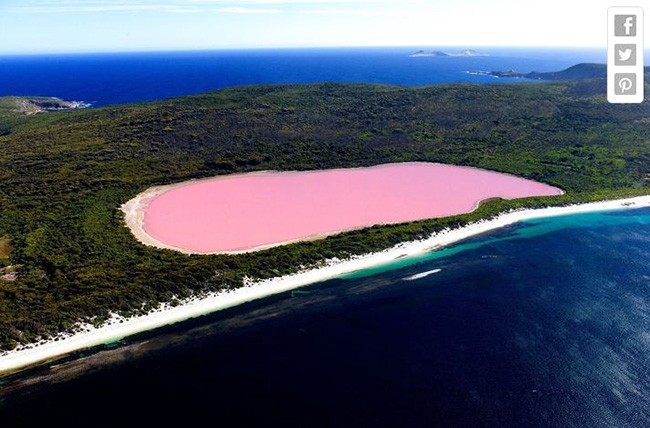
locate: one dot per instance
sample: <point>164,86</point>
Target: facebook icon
<point>625,26</point>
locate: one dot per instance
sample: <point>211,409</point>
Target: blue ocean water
<point>542,324</point>
<point>103,79</point>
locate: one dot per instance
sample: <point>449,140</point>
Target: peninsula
<point>584,71</point>
<point>33,105</point>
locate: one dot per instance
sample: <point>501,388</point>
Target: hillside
<point>13,109</point>
<point>576,72</point>
<point>65,174</point>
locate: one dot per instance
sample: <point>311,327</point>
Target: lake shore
<point>118,327</point>
<point>206,216</point>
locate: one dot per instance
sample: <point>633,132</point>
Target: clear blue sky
<point>43,26</point>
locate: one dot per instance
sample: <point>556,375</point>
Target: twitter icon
<point>625,54</point>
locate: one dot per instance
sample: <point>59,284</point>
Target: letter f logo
<point>629,23</point>
<point>625,25</point>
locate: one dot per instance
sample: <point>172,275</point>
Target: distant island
<point>466,52</point>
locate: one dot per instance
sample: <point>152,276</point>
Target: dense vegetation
<point>63,176</point>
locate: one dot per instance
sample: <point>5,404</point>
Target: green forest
<point>66,256</point>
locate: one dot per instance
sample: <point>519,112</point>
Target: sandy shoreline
<point>119,328</point>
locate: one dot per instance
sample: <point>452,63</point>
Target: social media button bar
<point>625,55</point>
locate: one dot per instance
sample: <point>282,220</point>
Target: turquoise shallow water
<point>526,229</point>
<point>542,324</point>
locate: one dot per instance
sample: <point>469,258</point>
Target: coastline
<point>118,328</point>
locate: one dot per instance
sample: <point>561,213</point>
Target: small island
<point>422,53</point>
<point>466,52</point>
<point>469,52</point>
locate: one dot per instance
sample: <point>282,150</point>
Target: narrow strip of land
<point>120,328</point>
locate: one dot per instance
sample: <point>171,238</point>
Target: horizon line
<point>272,48</point>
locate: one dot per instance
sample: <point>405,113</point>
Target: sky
<point>59,26</point>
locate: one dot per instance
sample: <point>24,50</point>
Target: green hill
<point>64,175</point>
<point>576,72</point>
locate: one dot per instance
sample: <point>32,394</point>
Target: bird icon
<point>624,54</point>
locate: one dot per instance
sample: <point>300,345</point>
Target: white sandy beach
<point>120,328</point>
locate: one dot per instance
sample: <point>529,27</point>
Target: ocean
<point>102,79</point>
<point>541,324</point>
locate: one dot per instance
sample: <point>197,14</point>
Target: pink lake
<point>258,210</point>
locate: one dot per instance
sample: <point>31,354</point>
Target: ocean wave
<point>421,275</point>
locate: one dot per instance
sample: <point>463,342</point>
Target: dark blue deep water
<point>544,324</point>
<point>103,79</point>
